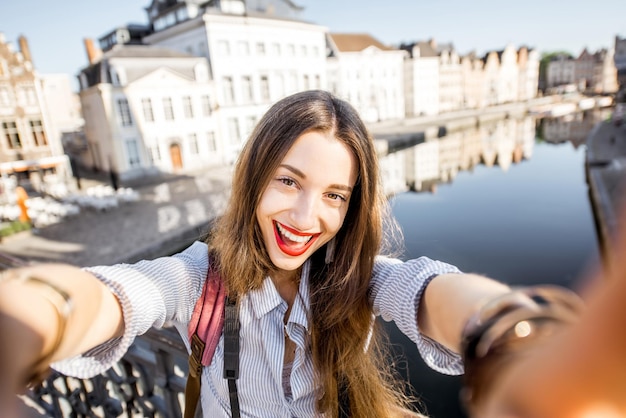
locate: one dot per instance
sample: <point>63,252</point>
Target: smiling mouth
<point>291,242</point>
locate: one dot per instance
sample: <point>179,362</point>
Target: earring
<point>330,251</point>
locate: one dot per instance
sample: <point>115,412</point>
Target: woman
<point>297,248</point>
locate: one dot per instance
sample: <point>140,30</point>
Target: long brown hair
<point>344,356</point>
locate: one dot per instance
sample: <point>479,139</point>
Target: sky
<point>55,29</point>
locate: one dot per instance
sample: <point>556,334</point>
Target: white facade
<point>450,81</point>
<point>421,85</point>
<point>371,78</point>
<point>528,65</point>
<point>509,76</point>
<point>154,114</point>
<point>254,61</point>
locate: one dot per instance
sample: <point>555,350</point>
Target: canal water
<point>509,201</point>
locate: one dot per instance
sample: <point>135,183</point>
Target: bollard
<point>22,197</point>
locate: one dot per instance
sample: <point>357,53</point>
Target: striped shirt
<point>164,291</point>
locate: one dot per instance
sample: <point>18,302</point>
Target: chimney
<point>24,48</point>
<point>93,53</point>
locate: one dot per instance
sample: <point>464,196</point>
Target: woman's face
<point>307,198</point>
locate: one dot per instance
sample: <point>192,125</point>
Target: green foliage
<point>10,228</point>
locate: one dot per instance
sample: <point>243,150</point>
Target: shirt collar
<point>266,299</point>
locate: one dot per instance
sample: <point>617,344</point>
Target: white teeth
<point>293,237</point>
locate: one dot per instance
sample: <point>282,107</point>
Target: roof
<point>144,51</point>
<point>425,49</point>
<point>354,42</point>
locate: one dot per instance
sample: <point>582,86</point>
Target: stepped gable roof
<point>354,42</point>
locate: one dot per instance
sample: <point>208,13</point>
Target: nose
<point>305,212</point>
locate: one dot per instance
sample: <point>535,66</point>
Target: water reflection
<point>511,203</point>
<point>503,143</point>
<point>573,128</point>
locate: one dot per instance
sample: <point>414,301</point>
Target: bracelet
<point>508,326</point>
<point>62,303</point>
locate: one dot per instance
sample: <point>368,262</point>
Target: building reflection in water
<point>574,127</point>
<point>502,143</point>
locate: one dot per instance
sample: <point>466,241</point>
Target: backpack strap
<point>204,331</point>
<point>231,354</point>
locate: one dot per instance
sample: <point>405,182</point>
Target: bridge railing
<point>149,381</point>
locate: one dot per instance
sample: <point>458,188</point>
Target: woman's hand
<point>49,312</point>
<point>580,373</point>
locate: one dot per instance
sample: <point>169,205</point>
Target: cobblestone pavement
<point>168,216</point>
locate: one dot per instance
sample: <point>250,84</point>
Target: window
<point>115,79</point>
<point>193,144</point>
<point>243,48</point>
<point>5,97</point>
<point>276,48</point>
<point>246,87</point>
<point>31,97</point>
<point>265,88</point>
<point>146,105</point>
<point>187,107</point>
<point>233,130</point>
<point>305,82</point>
<point>12,135</point>
<point>124,112</point>
<point>181,14</point>
<point>206,105</point>
<point>229,93</point>
<point>210,140</point>
<point>155,152</point>
<point>291,49</point>
<point>132,152</point>
<point>260,48</point>
<point>21,96</point>
<point>39,136</point>
<point>223,48</point>
<point>168,109</point>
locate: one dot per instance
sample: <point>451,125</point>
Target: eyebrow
<point>302,175</point>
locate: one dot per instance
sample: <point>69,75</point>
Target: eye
<point>287,181</point>
<point>337,196</point>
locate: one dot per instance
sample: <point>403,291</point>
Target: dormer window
<point>181,14</point>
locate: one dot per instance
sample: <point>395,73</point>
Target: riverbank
<point>605,167</point>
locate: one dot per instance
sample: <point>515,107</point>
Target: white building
<point>509,75</point>
<point>257,55</point>
<point>528,72</point>
<point>421,79</point>
<point>367,74</point>
<point>450,77</point>
<point>148,110</point>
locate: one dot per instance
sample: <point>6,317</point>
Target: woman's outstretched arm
<point>49,312</point>
<point>450,300</point>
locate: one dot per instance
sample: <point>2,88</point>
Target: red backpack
<point>213,313</point>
